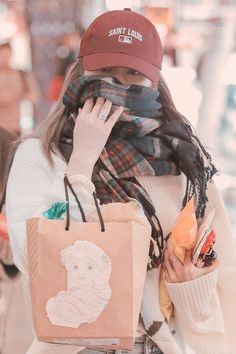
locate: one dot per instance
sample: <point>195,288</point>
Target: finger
<point>98,106</point>
<point>114,117</point>
<point>168,265</point>
<point>165,275</point>
<point>170,273</point>
<point>88,105</point>
<point>165,272</point>
<point>106,108</point>
<point>175,263</point>
<point>170,247</point>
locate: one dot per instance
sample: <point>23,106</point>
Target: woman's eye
<point>90,267</point>
<point>133,72</point>
<point>76,267</point>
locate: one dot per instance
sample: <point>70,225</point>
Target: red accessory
<point>209,242</point>
<point>122,38</point>
<point>3,227</point>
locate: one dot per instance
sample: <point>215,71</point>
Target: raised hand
<point>91,132</point>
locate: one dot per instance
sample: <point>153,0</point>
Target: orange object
<point>55,88</point>
<point>185,231</point>
<point>184,235</point>
<point>3,227</point>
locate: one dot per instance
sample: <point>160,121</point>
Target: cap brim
<point>98,61</point>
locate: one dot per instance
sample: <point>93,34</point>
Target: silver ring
<point>102,116</point>
<point>173,259</point>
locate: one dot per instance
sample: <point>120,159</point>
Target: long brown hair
<point>7,140</point>
<point>51,129</point>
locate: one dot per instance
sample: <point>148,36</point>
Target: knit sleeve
<point>205,307</point>
<point>198,313</point>
<point>32,187</point>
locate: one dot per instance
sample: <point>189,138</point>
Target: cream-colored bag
<point>87,278</point>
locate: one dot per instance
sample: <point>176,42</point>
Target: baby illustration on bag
<point>88,290</point>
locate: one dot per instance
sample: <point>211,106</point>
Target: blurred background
<point>199,40</point>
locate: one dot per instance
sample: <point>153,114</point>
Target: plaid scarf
<point>142,143</point>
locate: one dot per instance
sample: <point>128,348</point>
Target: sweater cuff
<point>226,280</point>
<point>80,181</point>
<point>193,294</point>
<point>81,185</point>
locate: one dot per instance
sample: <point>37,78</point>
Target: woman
<point>6,143</point>
<point>116,130</point>
<point>15,86</point>
<point>8,270</point>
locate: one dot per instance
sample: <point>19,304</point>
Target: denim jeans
<point>142,345</point>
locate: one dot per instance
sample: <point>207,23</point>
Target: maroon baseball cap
<point>122,38</point>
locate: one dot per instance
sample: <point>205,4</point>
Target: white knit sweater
<point>205,308</point>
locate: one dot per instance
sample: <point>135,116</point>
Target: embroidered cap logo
<point>125,39</point>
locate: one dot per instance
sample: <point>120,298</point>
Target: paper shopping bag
<point>87,279</point>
